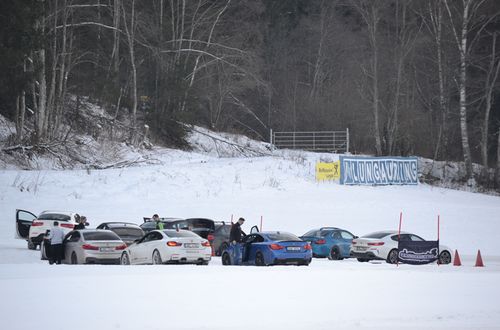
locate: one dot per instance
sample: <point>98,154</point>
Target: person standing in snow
<point>236,234</point>
<point>235,237</point>
<point>56,237</point>
<point>159,224</point>
<point>81,223</point>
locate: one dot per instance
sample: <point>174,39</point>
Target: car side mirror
<point>355,237</point>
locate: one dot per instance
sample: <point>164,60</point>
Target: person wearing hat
<point>235,237</point>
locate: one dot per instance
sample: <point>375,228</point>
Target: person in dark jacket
<point>82,223</point>
<point>235,237</point>
<point>236,234</point>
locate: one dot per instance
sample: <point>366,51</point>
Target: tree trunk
<point>491,79</point>
<point>130,39</point>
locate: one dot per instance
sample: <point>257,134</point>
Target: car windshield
<point>54,216</point>
<point>377,235</point>
<point>175,233</point>
<point>127,231</point>
<point>100,236</point>
<point>283,237</point>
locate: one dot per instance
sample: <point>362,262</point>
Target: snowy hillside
<point>280,188</point>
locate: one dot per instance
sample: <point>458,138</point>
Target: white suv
<point>33,228</point>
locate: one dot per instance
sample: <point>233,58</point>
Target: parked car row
<point>194,240</point>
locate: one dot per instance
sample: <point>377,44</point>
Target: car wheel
<point>259,259</point>
<point>31,245</point>
<point>444,258</point>
<point>124,260</point>
<point>362,260</point>
<point>392,257</point>
<point>334,253</point>
<point>74,260</point>
<point>226,259</point>
<point>156,258</point>
<point>223,247</point>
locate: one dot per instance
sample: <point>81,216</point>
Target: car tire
<point>334,254</point>
<point>259,259</point>
<point>31,245</point>
<point>74,259</point>
<point>226,259</point>
<point>156,258</point>
<point>392,257</point>
<point>124,259</point>
<point>444,258</point>
<point>223,247</point>
<point>362,260</point>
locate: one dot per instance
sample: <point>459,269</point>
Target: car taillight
<point>121,247</point>
<point>67,225</point>
<point>36,224</point>
<point>276,247</point>
<point>172,243</point>
<point>376,244</point>
<point>320,241</point>
<point>210,237</point>
<point>354,242</point>
<point>205,244</point>
<point>307,247</point>
<point>90,247</point>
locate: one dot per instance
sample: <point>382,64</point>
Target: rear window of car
<point>54,216</point>
<point>283,237</point>
<point>100,236</point>
<point>312,233</point>
<point>377,235</point>
<point>174,233</point>
<point>127,231</point>
<point>201,223</point>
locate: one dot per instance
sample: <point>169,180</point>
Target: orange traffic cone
<point>479,260</point>
<point>456,260</point>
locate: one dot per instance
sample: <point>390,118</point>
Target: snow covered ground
<point>326,295</point>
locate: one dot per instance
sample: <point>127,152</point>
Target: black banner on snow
<point>418,252</point>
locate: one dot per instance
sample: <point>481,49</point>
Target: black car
<point>168,223</point>
<point>128,232</point>
<point>219,238</point>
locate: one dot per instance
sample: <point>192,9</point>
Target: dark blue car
<point>331,242</point>
<point>268,248</point>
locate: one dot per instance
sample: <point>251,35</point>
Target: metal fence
<point>326,141</point>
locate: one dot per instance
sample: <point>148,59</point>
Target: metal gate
<point>326,141</point>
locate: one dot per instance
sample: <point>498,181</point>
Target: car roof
<point>387,232</point>
<point>68,213</point>
<point>119,224</point>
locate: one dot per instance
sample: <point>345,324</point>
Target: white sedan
<point>168,246</point>
<point>383,245</point>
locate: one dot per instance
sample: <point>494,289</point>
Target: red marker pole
<point>399,234</point>
<point>261,223</point>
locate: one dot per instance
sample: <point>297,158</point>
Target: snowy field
<point>326,295</point>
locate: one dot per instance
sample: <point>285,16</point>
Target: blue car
<point>331,242</point>
<point>268,248</point>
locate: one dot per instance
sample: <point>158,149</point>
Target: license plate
<point>106,249</point>
<point>191,245</point>
<point>361,248</point>
<point>293,248</point>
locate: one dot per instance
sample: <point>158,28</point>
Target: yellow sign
<point>328,171</point>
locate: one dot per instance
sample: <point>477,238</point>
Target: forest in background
<point>407,77</point>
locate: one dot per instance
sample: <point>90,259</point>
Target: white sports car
<point>168,246</point>
<point>383,245</point>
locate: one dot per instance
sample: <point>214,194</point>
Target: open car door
<point>23,223</point>
<point>254,229</point>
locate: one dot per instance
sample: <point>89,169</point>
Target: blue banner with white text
<point>378,170</point>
